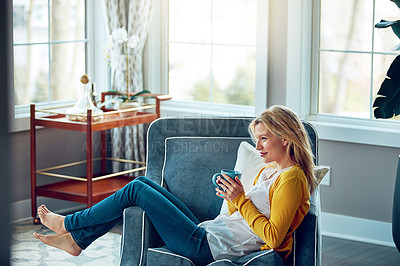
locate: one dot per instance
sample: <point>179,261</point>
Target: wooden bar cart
<point>93,187</point>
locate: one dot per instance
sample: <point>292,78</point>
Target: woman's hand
<point>230,188</point>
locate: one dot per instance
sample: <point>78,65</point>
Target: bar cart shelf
<point>93,187</point>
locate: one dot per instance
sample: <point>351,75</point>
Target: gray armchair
<point>178,147</point>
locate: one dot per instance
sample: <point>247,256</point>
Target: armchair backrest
<point>183,154</point>
<point>164,128</point>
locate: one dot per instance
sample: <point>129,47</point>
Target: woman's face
<point>271,148</point>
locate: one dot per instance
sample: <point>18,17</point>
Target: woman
<point>263,218</point>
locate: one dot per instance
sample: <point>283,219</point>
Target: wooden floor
<point>346,252</point>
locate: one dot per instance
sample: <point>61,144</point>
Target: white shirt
<point>229,236</point>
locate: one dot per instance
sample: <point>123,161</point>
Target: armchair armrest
<point>138,235</point>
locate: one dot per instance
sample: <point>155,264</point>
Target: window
<point>353,56</point>
<point>49,50</point>
<point>304,88</point>
<point>212,51</point>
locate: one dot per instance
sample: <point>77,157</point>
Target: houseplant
<point>387,102</point>
<point>119,41</point>
<point>387,105</point>
<point>125,102</point>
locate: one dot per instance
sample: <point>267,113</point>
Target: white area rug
<point>26,250</point>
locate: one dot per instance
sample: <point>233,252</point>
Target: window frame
<point>157,67</point>
<point>95,34</point>
<point>303,39</point>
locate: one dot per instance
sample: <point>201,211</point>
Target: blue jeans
<point>174,222</point>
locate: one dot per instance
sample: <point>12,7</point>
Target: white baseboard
<point>21,210</point>
<point>357,229</point>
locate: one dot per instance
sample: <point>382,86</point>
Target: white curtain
<point>134,16</point>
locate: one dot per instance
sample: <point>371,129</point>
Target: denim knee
<point>139,179</point>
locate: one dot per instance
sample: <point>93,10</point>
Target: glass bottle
<point>79,111</point>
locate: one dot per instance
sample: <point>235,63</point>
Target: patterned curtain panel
<point>134,16</point>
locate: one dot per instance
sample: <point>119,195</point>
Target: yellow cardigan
<point>289,200</point>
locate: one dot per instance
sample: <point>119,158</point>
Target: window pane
<point>221,31</point>
<point>345,84</point>
<point>33,68</point>
<point>238,26</point>
<point>351,30</point>
<point>233,73</point>
<point>30,22</point>
<point>67,66</point>
<point>190,21</point>
<point>67,20</point>
<point>381,66</point>
<point>31,71</point>
<point>189,80</point>
<point>385,39</point>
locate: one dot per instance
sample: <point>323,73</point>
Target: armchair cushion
<point>194,160</point>
<point>249,163</point>
<point>164,257</point>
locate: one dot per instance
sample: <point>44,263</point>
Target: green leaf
<point>387,103</point>
<point>119,93</point>
<point>395,25</point>
<point>138,94</point>
<point>116,92</point>
<point>384,24</point>
<point>397,2</point>
<point>396,28</point>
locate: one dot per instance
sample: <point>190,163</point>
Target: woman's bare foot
<point>61,241</point>
<point>51,220</point>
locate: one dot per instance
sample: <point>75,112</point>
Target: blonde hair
<point>285,124</point>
